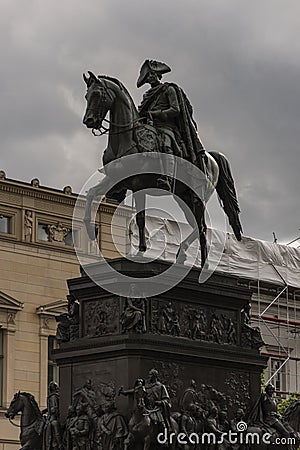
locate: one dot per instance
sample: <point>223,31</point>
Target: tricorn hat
<point>151,65</point>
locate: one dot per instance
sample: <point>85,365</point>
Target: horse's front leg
<point>27,444</point>
<point>90,227</point>
<point>140,200</point>
<point>97,191</point>
<point>140,220</point>
<point>128,441</point>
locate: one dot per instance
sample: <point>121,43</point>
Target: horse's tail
<point>227,193</point>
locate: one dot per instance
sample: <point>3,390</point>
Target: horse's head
<point>99,101</point>
<point>16,405</point>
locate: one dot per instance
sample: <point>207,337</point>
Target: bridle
<point>21,426</point>
<point>14,424</point>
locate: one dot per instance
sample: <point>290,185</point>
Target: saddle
<point>146,138</point>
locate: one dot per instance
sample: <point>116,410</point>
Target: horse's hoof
<point>205,266</point>
<point>142,248</point>
<point>181,256</point>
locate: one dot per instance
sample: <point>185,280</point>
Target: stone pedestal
<point>193,331</point>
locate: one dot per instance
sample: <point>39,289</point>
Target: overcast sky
<point>238,61</point>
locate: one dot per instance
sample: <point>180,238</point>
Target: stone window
<point>57,234</point>
<point>5,224</point>
<point>52,366</point>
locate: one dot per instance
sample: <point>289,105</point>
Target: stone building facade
<point>36,258</point>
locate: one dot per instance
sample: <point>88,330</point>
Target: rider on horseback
<point>158,401</point>
<point>167,108</point>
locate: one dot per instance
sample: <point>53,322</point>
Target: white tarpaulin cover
<point>250,258</point>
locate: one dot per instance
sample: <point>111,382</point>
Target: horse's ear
<point>92,75</point>
<point>86,79</point>
<point>19,393</point>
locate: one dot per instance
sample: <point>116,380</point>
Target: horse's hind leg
<point>140,200</point>
<point>31,445</point>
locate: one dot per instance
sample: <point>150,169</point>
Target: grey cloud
<point>238,62</point>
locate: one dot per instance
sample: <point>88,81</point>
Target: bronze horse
<point>126,139</point>
<point>32,422</point>
<point>291,420</point>
<point>143,432</point>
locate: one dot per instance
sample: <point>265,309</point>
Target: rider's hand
<point>149,119</point>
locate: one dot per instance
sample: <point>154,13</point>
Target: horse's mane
<point>120,85</point>
<point>32,402</point>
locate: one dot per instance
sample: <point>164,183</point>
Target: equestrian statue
<point>156,147</point>
<point>282,430</point>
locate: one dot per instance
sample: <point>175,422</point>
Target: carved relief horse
<point>126,134</point>
<point>143,432</point>
<point>32,422</point>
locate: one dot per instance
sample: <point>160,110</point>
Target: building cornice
<point>38,192</point>
<point>52,309</point>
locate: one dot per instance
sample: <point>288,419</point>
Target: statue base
<point>191,332</point>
